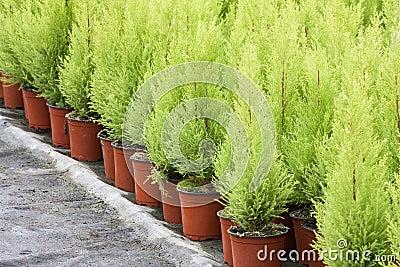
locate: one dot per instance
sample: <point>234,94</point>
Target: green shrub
<point>173,45</point>
<point>76,69</point>
<point>44,45</point>
<point>122,56</point>
<point>254,211</point>
<point>356,200</point>
<point>12,14</point>
<point>155,58</point>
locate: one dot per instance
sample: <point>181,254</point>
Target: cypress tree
<point>356,200</point>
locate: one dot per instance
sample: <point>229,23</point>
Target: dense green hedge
<point>329,70</point>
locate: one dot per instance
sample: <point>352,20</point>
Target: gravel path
<point>45,220</point>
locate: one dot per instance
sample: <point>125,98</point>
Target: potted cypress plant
<point>281,56</point>
<point>35,107</point>
<point>356,200</point>
<point>75,74</point>
<point>254,212</point>
<point>147,193</point>
<point>307,157</point>
<point>197,195</point>
<point>118,43</point>
<point>9,64</point>
<point>164,176</point>
<point>105,57</point>
<point>243,49</point>
<point>52,23</point>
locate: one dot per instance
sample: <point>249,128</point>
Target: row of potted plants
<point>328,69</point>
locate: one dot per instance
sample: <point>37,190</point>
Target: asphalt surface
<point>45,220</point>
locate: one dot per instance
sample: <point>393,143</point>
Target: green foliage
<point>356,200</point>
<point>12,17</point>
<point>154,141</point>
<point>157,45</point>
<point>370,8</point>
<point>387,104</point>
<point>312,126</point>
<point>189,24</point>
<point>394,221</point>
<point>122,57</point>
<point>110,83</point>
<point>77,67</point>
<point>44,44</point>
<point>254,211</point>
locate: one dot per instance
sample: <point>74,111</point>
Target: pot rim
<point>69,117</point>
<point>222,216</point>
<point>133,147</point>
<point>309,228</point>
<point>139,159</point>
<point>257,236</point>
<point>102,137</point>
<point>30,88</point>
<point>292,214</point>
<point>57,107</point>
<point>198,193</point>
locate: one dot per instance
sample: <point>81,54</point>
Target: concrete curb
<point>186,251</point>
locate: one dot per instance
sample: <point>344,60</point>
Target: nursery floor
<point>46,220</point>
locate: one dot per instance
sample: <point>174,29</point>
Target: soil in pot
<point>83,138</point>
<point>310,230</point>
<point>108,154</point>
<point>199,215</point>
<point>226,223</point>
<point>146,192</point>
<point>59,126</point>
<point>290,239</point>
<point>171,202</point>
<point>123,175</point>
<point>298,217</point>
<point>12,96</point>
<point>36,110</point>
<point>254,250</point>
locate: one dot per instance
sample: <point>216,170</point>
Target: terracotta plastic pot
<point>226,223</point>
<point>147,194</point>
<point>1,85</point>
<point>301,242</point>
<point>290,239</point>
<point>36,110</point>
<point>12,96</point>
<point>199,215</point>
<point>310,237</point>
<point>123,175</point>
<point>171,203</point>
<point>59,128</point>
<point>108,154</point>
<point>255,251</point>
<point>83,139</point>
<point>25,111</point>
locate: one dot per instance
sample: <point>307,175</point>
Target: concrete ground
<point>55,211</point>
<point>47,220</point>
